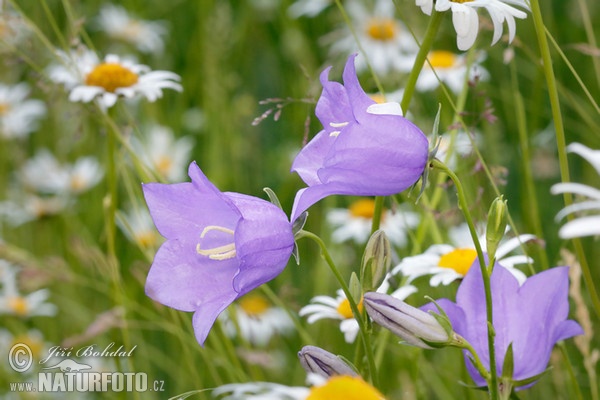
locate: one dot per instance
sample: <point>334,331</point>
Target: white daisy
<point>18,115</point>
<point>466,22</point>
<point>449,262</point>
<point>13,28</point>
<point>33,338</point>
<point>14,303</point>
<point>338,308</point>
<point>87,78</point>
<point>24,207</point>
<point>451,69</point>
<point>147,36</point>
<point>450,148</point>
<point>256,320</point>
<point>387,44</point>
<point>139,227</point>
<point>164,154</point>
<point>354,222</point>
<point>586,225</point>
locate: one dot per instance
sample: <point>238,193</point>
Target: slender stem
<point>362,326</point>
<point>540,31</point>
<point>485,273</point>
<point>377,213</point>
<point>475,359</point>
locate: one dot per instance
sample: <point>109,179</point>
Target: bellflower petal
<point>358,152</point>
<point>219,246</point>
<point>533,317</point>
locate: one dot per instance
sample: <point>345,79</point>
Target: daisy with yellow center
<point>354,223</point>
<point>450,69</point>
<point>466,21</point>
<point>256,320</point>
<point>137,225</point>
<point>338,308</point>
<point>89,79</point>
<point>12,302</point>
<point>19,115</point>
<point>387,44</point>
<point>447,263</point>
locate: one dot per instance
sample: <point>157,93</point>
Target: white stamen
<point>338,124</point>
<point>221,252</point>
<point>334,133</point>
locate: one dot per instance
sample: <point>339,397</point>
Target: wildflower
<point>164,154</point>
<point>139,228</point>
<point>387,43</point>
<point>362,150</point>
<point>451,69</point>
<point>147,36</point>
<point>354,223</point>
<point>12,302</point>
<point>88,78</point>
<point>18,115</point>
<point>532,317</point>
<point>466,22</point>
<point>325,307</point>
<point>256,320</point>
<point>308,8</point>
<point>219,246</point>
<point>339,387</point>
<point>323,363</point>
<point>587,225</point>
<point>414,326</point>
<point>449,262</point>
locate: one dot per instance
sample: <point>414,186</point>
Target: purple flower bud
<point>416,327</point>
<point>321,362</point>
<point>219,246</point>
<point>363,149</point>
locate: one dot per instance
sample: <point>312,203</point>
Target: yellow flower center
<point>254,305</point>
<point>383,29</point>
<point>18,305</point>
<point>460,1</point>
<point>363,208</point>
<point>4,108</point>
<point>34,343</point>
<point>344,388</point>
<point>111,76</point>
<point>459,260</point>
<point>345,310</point>
<point>146,239</point>
<point>377,98</point>
<point>441,59</point>
<point>163,165</point>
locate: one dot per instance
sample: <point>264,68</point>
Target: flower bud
<point>496,225</point>
<point>376,261</point>
<point>418,328</point>
<point>315,360</point>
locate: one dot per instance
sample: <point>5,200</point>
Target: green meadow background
<point>231,55</point>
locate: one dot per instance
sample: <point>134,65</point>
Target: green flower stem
<point>540,31</point>
<point>485,273</point>
<point>474,358</point>
<point>409,89</point>
<point>355,311</point>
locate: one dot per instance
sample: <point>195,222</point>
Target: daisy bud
<point>315,360</point>
<point>376,261</point>
<point>418,328</point>
<point>496,225</point>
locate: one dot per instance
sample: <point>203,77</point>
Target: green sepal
<point>298,224</point>
<point>273,197</point>
<point>508,366</point>
<point>355,288</point>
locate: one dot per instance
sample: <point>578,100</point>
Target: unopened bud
<point>496,225</point>
<point>376,261</point>
<point>315,360</point>
<point>417,328</point>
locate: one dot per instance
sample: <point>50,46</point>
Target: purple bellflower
<point>219,246</point>
<point>533,317</point>
<point>364,149</point>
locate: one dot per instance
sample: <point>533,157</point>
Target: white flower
<point>387,44</point>
<point>13,303</point>
<point>308,8</point>
<point>44,174</point>
<point>354,222</point>
<point>28,207</point>
<point>586,225</point>
<point>87,78</point>
<point>466,22</point>
<point>256,320</point>
<point>147,36</point>
<point>448,262</point>
<point>450,147</point>
<point>451,69</point>
<point>139,227</point>
<point>261,391</point>
<point>18,116</point>
<point>164,154</point>
<point>338,308</point>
